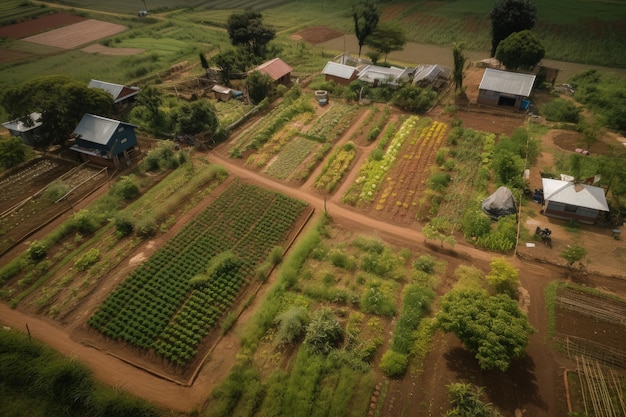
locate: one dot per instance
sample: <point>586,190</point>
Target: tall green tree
<point>62,102</point>
<point>365,16</point>
<point>233,62</point>
<point>492,327</point>
<point>459,57</point>
<point>259,86</point>
<point>503,277</point>
<point>385,38</point>
<point>247,29</point>
<point>196,117</point>
<point>12,152</point>
<point>510,16</point>
<point>521,50</point>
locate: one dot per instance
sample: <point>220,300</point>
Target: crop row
<point>279,140</point>
<point>401,189</point>
<point>333,122</point>
<point>152,308</point>
<point>374,171</point>
<point>292,155</point>
<point>337,165</point>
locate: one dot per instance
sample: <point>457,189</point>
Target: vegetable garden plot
<point>173,300</point>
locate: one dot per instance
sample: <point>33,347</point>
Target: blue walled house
<point>105,141</point>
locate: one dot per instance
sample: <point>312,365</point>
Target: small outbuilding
<point>499,204</point>
<point>433,75</point>
<point>122,95</point>
<point>28,128</point>
<point>504,88</point>
<point>340,73</point>
<point>221,92</point>
<point>105,141</point>
<point>277,69</point>
<point>376,75</point>
<point>572,200</point>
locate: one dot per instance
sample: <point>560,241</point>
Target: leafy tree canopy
<point>510,16</point>
<point>12,152</point>
<point>196,117</point>
<point>414,99</point>
<point>259,85</point>
<point>521,50</point>
<point>459,57</point>
<point>503,277</point>
<point>573,254</point>
<point>492,327</point>
<point>248,30</point>
<point>365,16</point>
<point>385,38</point>
<point>233,62</point>
<point>62,102</point>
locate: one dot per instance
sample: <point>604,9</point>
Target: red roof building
<point>277,69</point>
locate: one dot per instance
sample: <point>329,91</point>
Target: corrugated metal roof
<point>118,91</point>
<point>567,192</point>
<point>18,125</point>
<point>97,129</point>
<point>338,70</point>
<point>390,75</point>
<point>276,68</point>
<point>430,72</point>
<point>220,89</point>
<point>507,82</point>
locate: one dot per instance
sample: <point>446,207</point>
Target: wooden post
<point>28,330</point>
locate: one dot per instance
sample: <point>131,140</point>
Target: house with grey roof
<point>104,141</point>
<point>505,88</point>
<point>572,200</point>
<point>339,73</point>
<point>122,95</point>
<point>375,75</point>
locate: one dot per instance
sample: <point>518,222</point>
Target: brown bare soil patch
<point>105,50</point>
<point>8,55</point>
<point>392,11</point>
<point>317,34</point>
<point>41,24</point>
<point>71,36</point>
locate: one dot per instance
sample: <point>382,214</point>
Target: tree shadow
<point>515,388</point>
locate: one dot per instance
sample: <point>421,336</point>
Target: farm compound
<point>102,141</point>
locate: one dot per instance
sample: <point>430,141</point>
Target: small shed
<point>504,88</point>
<point>339,73</point>
<point>28,128</point>
<point>221,92</point>
<point>122,95</point>
<point>433,75</point>
<point>572,200</point>
<point>104,141</point>
<point>277,69</point>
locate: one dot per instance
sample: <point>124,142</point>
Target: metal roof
<point>18,125</point>
<point>118,91</point>
<point>568,192</point>
<point>339,70</point>
<point>389,75</point>
<point>507,82</point>
<point>221,89</point>
<point>276,68</point>
<point>97,129</point>
<point>430,72</point>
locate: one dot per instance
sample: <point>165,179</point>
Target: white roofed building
<point>571,200</point>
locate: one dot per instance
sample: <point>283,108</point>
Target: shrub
<point>291,325</point>
<point>376,301</point>
<point>84,222</point>
<point>55,191</point>
<point>323,332</point>
<point>439,181</point>
<point>37,251</point>
<point>145,228</point>
<point>561,110</point>
<point>126,188</point>
<point>425,263</point>
<point>87,260</point>
<point>342,260</point>
<point>123,225</point>
<point>276,255</point>
<point>394,363</point>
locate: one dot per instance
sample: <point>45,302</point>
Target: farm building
<point>376,75</point>
<point>221,93</point>
<point>122,95</point>
<point>26,128</point>
<point>104,141</point>
<point>504,88</point>
<point>432,75</point>
<point>571,200</point>
<point>277,69</point>
<point>339,73</point>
